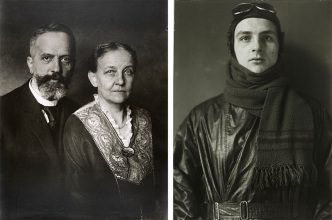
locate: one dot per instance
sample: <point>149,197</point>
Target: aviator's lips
<point>257,60</point>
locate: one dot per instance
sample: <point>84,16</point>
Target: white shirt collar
<point>41,100</point>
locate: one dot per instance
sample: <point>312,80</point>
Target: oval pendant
<point>128,151</point>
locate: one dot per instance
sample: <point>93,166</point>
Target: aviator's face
<point>114,76</point>
<point>256,44</point>
<point>51,55</point>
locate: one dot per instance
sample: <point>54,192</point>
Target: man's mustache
<point>56,76</point>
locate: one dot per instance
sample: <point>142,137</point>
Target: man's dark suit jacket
<point>31,160</point>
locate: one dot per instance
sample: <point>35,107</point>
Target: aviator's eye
<point>244,38</point>
<point>269,38</point>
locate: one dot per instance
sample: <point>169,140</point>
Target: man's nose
<point>56,66</point>
<point>257,44</point>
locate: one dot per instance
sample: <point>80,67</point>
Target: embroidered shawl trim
<point>132,169</point>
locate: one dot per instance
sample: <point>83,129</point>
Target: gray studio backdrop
<point>201,56</point>
<point>140,23</point>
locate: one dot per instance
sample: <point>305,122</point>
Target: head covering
<point>253,10</point>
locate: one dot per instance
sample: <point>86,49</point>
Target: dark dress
<point>102,183</point>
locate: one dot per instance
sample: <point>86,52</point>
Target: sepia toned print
<point>259,146</point>
<point>45,78</point>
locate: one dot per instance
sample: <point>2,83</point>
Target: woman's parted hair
<point>101,49</point>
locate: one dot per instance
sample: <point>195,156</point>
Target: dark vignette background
<point>141,23</point>
<point>201,56</point>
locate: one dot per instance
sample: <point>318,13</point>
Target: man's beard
<point>52,87</point>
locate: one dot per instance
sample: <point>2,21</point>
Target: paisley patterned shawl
<point>132,169</point>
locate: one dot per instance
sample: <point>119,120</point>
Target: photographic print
<point>83,88</point>
<point>252,106</point>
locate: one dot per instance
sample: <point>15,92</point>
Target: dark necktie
<point>51,114</point>
<point>53,123</point>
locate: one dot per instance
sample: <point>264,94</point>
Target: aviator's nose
<point>256,44</point>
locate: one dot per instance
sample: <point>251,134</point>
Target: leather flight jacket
<point>215,157</point>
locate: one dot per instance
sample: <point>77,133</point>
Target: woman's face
<point>114,76</point>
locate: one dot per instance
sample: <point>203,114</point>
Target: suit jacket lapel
<point>65,111</point>
<point>35,119</point>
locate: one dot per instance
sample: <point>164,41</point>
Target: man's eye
<point>66,59</point>
<point>47,58</point>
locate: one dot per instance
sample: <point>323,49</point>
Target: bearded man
<point>32,123</point>
<point>261,150</point>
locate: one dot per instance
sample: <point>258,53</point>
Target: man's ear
<point>30,64</point>
<point>92,78</point>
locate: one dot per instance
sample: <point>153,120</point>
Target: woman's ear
<point>92,78</point>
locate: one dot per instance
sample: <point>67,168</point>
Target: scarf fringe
<point>279,176</point>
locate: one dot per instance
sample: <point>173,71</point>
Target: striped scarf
<point>286,131</point>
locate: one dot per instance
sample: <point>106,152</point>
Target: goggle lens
<point>246,7</point>
<point>242,8</point>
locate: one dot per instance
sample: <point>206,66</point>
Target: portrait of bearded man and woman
<point>96,159</point>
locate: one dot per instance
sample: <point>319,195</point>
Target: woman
<point>108,143</point>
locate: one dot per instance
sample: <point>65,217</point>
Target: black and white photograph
<point>83,125</point>
<point>165,109</point>
<point>252,106</point>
